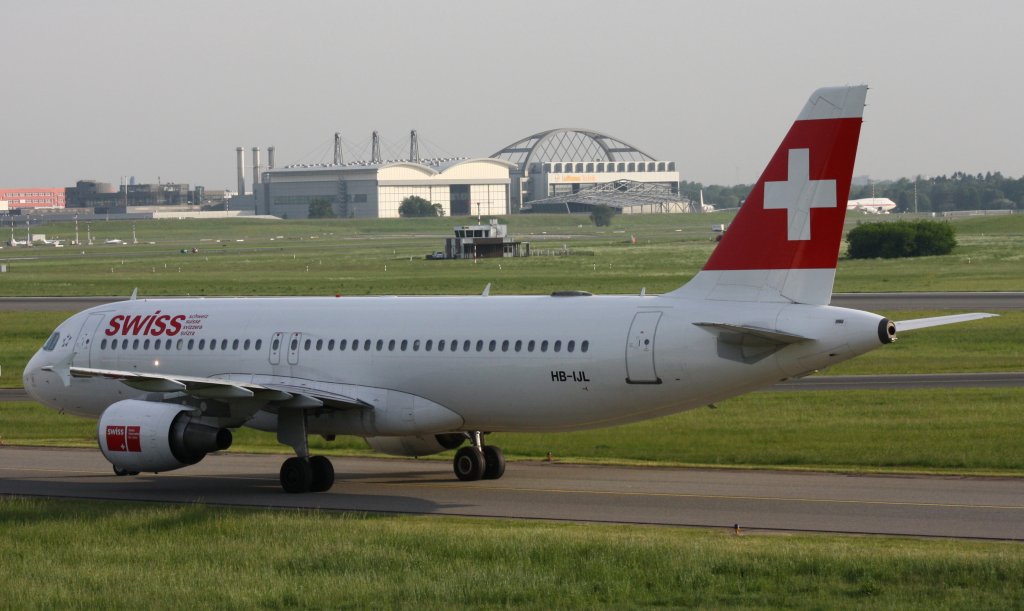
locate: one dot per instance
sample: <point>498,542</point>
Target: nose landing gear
<point>477,461</point>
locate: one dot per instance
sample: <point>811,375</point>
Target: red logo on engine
<point>124,438</point>
<point>150,324</point>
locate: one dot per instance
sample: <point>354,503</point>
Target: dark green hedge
<point>901,239</point>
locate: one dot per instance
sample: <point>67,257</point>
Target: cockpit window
<point>52,342</point>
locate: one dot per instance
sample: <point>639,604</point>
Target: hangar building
<point>376,190</point>
<point>563,161</point>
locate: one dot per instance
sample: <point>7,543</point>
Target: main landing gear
<point>477,461</point>
<point>301,473</point>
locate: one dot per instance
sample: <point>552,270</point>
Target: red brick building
<point>33,197</point>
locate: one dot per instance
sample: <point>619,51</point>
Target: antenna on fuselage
<point>135,293</point>
<point>487,290</point>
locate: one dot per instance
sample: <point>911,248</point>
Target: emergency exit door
<point>640,349</point>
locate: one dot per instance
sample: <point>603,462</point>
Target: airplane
<point>169,379</point>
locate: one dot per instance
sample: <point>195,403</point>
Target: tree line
<point>958,191</point>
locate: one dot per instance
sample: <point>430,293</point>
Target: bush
<point>602,215</point>
<point>901,239</point>
<point>321,209</point>
<point>416,206</point>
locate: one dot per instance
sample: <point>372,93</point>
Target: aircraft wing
<point>935,321</point>
<point>226,389</point>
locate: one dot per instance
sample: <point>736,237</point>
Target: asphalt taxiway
<point>932,506</point>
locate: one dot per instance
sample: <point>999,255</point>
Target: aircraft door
<point>275,348</point>
<point>293,348</point>
<point>640,349</point>
<point>83,344</point>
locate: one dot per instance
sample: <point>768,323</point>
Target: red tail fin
<point>784,242</point>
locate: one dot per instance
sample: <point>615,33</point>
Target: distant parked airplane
<point>169,378</point>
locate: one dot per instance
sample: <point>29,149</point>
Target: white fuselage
<point>533,363</point>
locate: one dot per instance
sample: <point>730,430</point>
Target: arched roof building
<point>562,161</point>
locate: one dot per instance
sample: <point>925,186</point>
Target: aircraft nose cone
<point>28,377</point>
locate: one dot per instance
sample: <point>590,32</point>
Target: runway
<point>984,508</point>
<point>880,302</point>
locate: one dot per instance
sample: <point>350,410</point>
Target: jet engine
<point>416,445</point>
<point>149,436</point>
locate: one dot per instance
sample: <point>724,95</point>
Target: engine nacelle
<point>148,436</point>
<point>416,445</point>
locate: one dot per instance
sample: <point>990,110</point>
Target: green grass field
<point>94,555</point>
<point>356,257</point>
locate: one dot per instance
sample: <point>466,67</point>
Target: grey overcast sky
<point>104,89</point>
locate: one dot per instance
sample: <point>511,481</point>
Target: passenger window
<point>103,345</point>
<point>429,345</point>
<point>276,344</point>
<point>308,343</point>
<point>571,345</point>
<point>145,345</point>
<point>491,346</point>
<point>530,346</point>
<point>504,346</point>
<point>440,345</point>
<point>124,344</point>
<point>51,343</point>
<point>191,343</point>
<point>465,346</point>
<point>558,345</point>
<point>405,344</point>
<point>135,345</point>
<point>181,344</point>
<point>319,345</point>
<point>584,346</point>
<point>234,345</point>
<point>213,344</point>
<point>454,345</point>
<point>519,345</point>
<point>330,345</point>
<point>259,344</point>
<point>295,344</point>
<point>113,345</point>
<point>391,345</point>
<point>342,344</point>
<point>366,345</point>
<point>479,345</point>
<point>355,344</point>
<point>544,346</point>
<point>415,345</point>
<point>380,345</point>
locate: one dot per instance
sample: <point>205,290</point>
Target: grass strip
<point>82,554</point>
<point>961,431</point>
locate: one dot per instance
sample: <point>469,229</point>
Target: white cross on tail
<point>798,194</point>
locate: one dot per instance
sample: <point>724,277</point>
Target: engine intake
<point>886,331</point>
<point>149,436</point>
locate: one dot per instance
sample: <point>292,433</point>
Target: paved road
<point>989,508</point>
<point>881,302</point>
<point>1004,379</point>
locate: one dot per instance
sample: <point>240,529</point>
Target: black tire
<point>118,471</point>
<point>494,461</point>
<point>296,475</point>
<point>323,474</point>
<point>469,464</point>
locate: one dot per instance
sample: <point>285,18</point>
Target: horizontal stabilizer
<point>770,335</point>
<point>935,321</point>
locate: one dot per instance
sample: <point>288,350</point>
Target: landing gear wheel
<point>323,474</point>
<point>118,471</point>
<point>469,464</point>
<point>296,475</point>
<point>495,462</point>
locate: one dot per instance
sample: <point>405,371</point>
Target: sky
<point>167,90</point>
